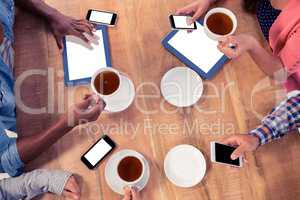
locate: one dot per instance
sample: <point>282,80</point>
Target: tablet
<point>196,50</point>
<point>81,60</point>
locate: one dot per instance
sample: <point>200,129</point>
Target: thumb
<point>196,16</point>
<point>84,104</point>
<point>127,193</point>
<point>238,152</point>
<point>135,194</point>
<point>70,195</point>
<point>59,42</point>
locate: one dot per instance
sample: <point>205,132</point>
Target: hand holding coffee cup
<point>114,87</point>
<point>87,110</point>
<point>242,43</point>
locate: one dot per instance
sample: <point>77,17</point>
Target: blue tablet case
<point>185,60</point>
<point>69,82</point>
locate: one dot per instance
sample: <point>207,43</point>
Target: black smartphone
<point>102,17</point>
<point>179,22</point>
<point>221,153</point>
<point>98,152</point>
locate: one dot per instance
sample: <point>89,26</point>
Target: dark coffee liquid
<point>220,24</point>
<point>130,169</point>
<point>107,82</point>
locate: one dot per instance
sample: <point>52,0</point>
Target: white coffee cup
<point>106,69</point>
<point>112,176</point>
<point>142,160</point>
<point>225,11</point>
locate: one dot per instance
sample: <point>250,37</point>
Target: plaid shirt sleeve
<point>283,119</point>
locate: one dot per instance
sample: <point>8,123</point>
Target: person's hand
<point>87,110</point>
<point>244,143</point>
<point>62,25</point>
<point>235,46</point>
<point>72,189</point>
<point>195,9</point>
<point>131,194</point>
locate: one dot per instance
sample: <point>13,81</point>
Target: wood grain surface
<point>234,102</point>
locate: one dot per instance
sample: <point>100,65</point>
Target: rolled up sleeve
<point>281,121</point>
<point>10,161</point>
<point>32,184</point>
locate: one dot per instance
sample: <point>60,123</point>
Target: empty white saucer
<point>123,98</point>
<point>112,176</point>
<point>185,166</point>
<point>181,87</point>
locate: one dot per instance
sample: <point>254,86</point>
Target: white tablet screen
<point>197,47</point>
<point>84,59</point>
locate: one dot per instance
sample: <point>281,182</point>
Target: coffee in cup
<point>106,82</point>
<point>220,23</point>
<point>130,169</point>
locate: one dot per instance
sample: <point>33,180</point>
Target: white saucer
<point>111,171</point>
<point>181,87</point>
<point>185,166</point>
<point>123,98</point>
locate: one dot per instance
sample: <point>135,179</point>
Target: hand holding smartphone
<point>221,154</point>
<point>180,22</point>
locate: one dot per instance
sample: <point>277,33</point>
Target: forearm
<point>39,7</point>
<point>269,63</point>
<point>281,121</point>
<point>32,184</point>
<point>31,147</point>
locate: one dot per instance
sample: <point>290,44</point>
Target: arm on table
<point>32,146</point>
<point>281,121</point>
<point>268,62</point>
<point>60,24</point>
<point>284,119</point>
<point>38,7</point>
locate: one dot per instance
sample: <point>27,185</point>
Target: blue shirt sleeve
<point>10,161</point>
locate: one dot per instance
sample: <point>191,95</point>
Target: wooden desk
<point>233,101</point>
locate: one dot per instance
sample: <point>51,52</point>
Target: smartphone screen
<point>180,22</point>
<point>223,153</point>
<point>98,151</point>
<point>101,17</point>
